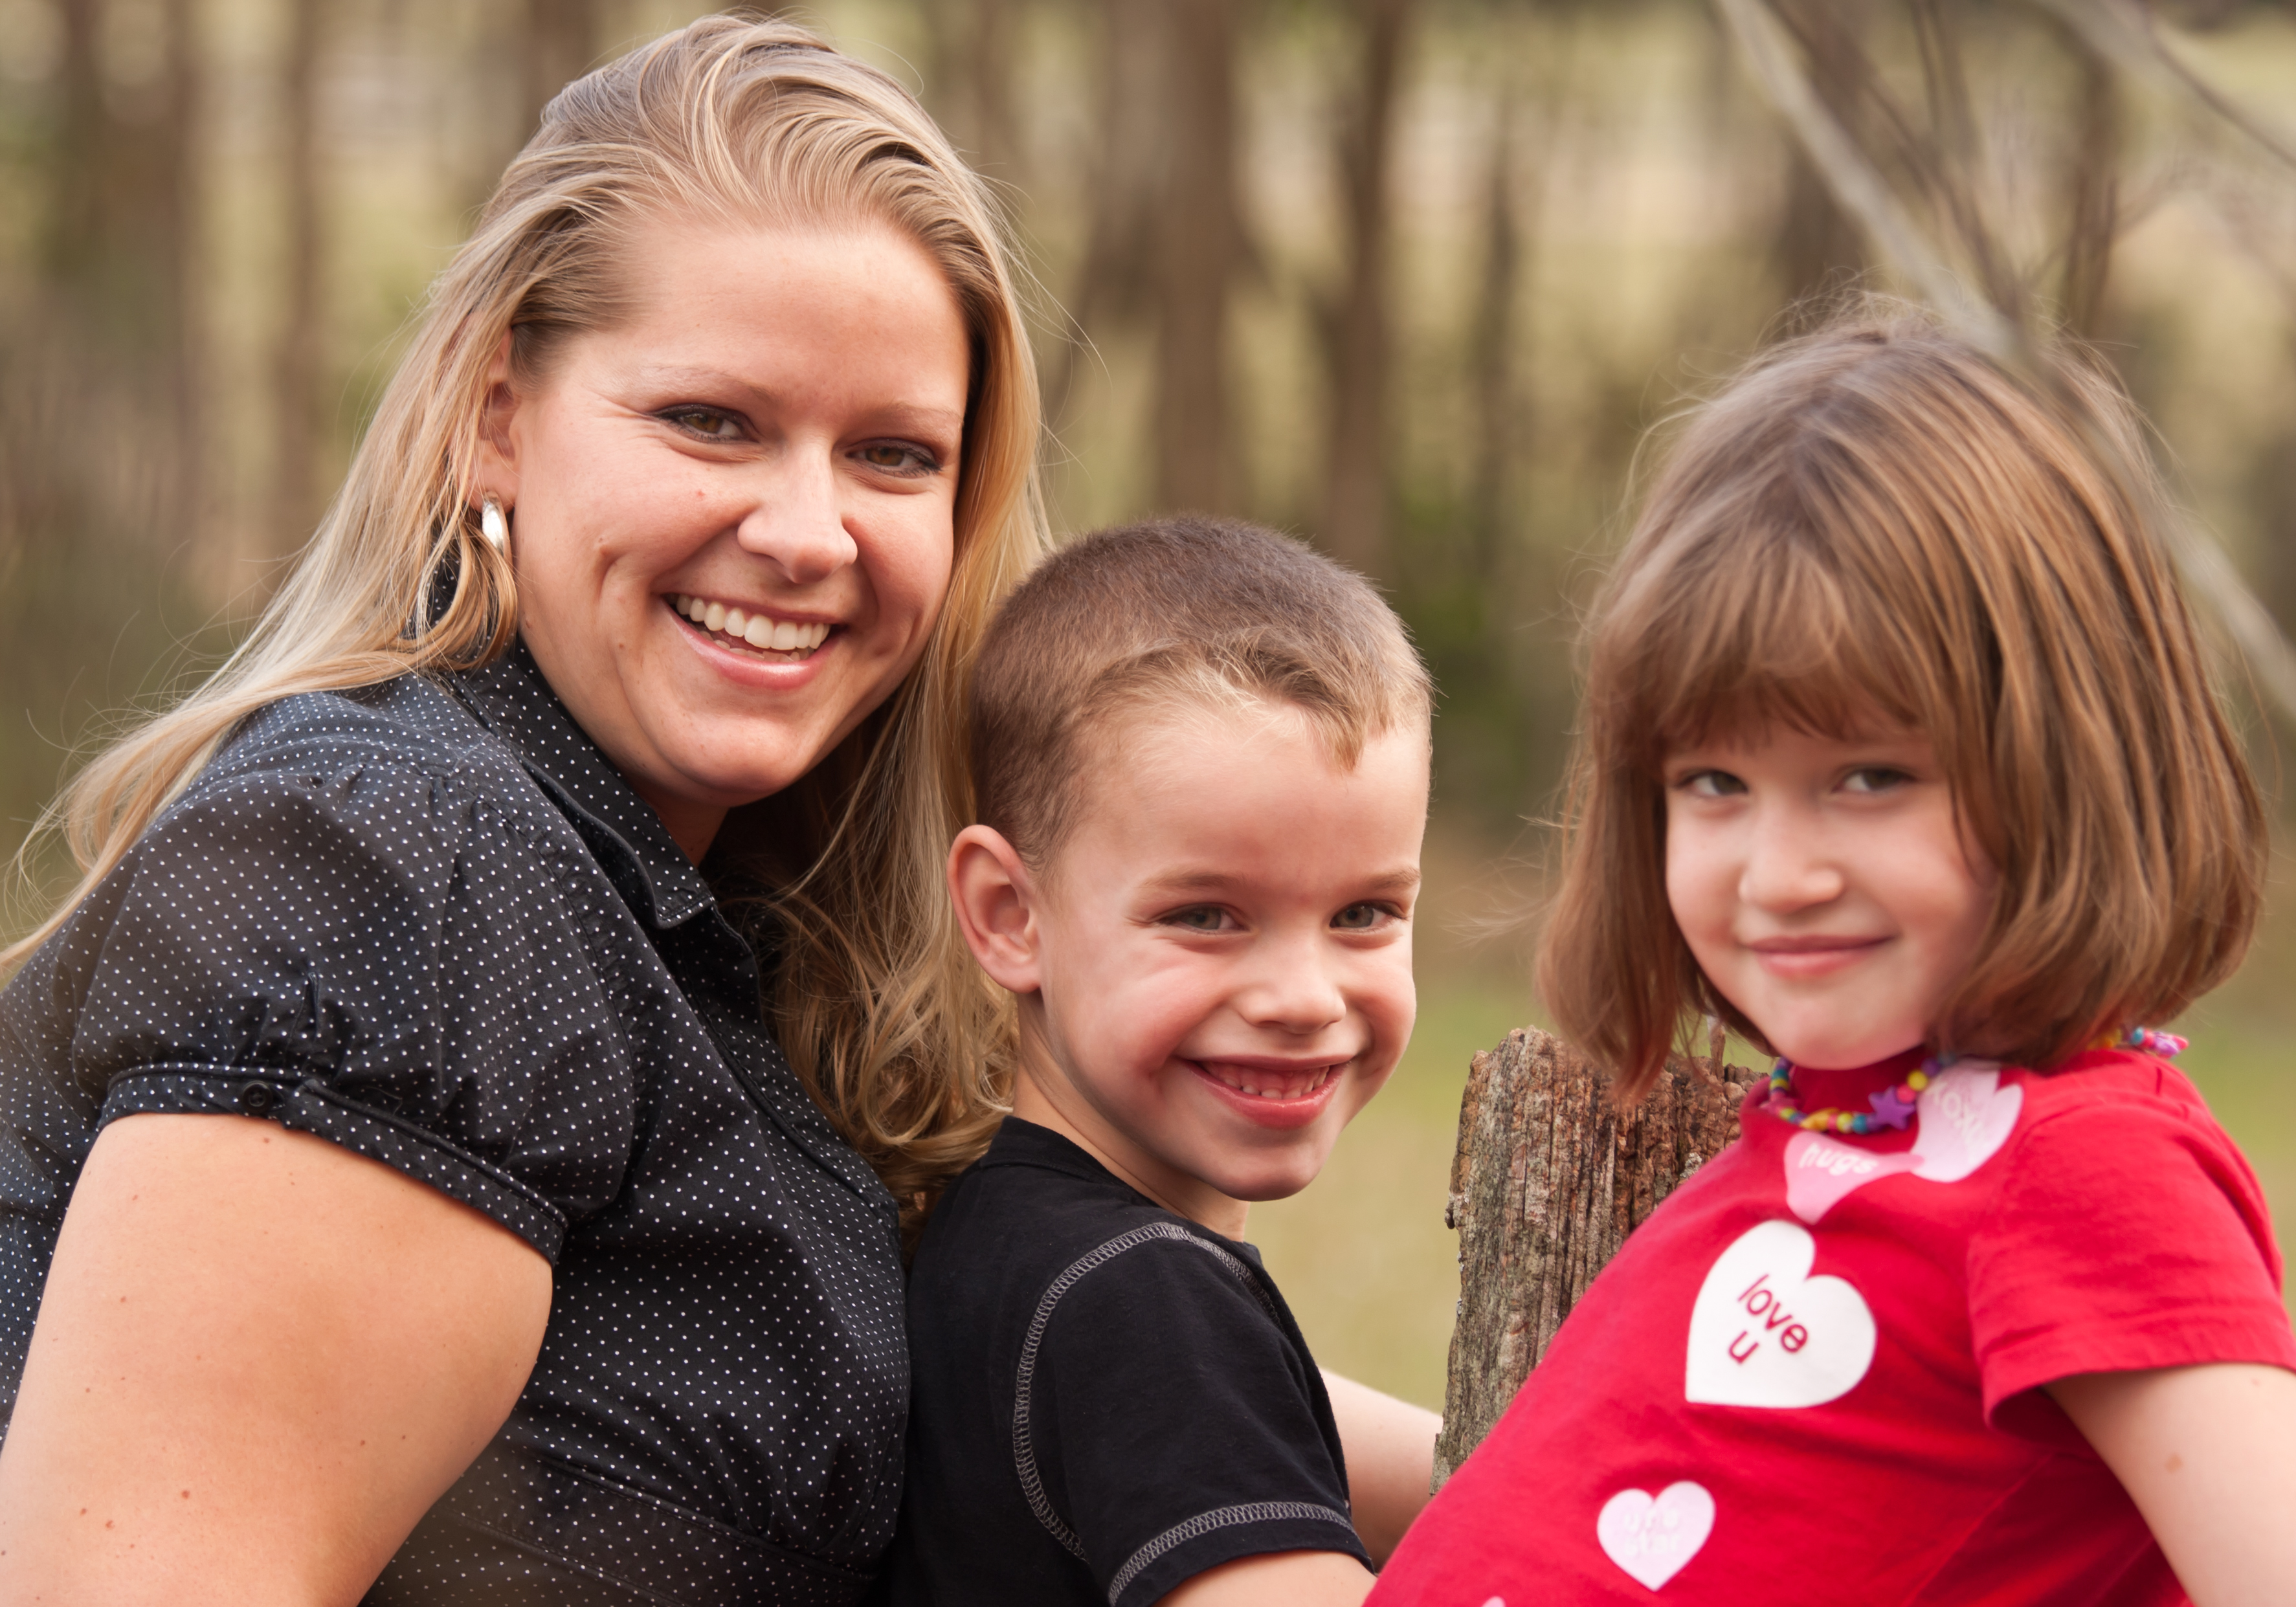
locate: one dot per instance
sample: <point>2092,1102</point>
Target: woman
<point>403,1191</point>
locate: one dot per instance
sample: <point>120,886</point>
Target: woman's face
<point>769,440</point>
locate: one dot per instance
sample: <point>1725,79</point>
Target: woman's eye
<point>1873,778</point>
<point>705,422</point>
<point>1361,917</point>
<point>897,458</point>
<point>1202,917</point>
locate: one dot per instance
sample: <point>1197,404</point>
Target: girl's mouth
<point>754,635</point>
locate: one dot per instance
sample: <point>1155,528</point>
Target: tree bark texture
<point>1550,1177</point>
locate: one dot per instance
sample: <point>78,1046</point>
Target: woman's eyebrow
<point>894,415</point>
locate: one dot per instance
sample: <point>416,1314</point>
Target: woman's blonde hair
<point>740,120</point>
<point>1873,524</point>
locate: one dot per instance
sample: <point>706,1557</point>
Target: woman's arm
<point>259,1359</point>
<point>1390,1450</point>
<point>2208,1455</point>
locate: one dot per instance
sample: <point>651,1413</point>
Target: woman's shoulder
<point>412,725</point>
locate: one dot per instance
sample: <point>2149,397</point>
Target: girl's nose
<point>1788,866</point>
<point>797,523</point>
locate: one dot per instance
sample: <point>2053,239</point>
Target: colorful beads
<point>2146,1040</point>
<point>1892,1107</point>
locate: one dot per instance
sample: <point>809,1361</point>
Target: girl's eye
<point>1873,778</point>
<point>705,422</point>
<point>1202,917</point>
<point>1362,917</point>
<point>899,457</point>
<point>1710,784</point>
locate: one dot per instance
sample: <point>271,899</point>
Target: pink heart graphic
<point>1965,1116</point>
<point>1820,1170</point>
<point>1652,1537</point>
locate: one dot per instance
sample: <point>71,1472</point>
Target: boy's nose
<point>1295,993</point>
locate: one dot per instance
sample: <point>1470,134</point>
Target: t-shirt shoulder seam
<point>1024,1456</point>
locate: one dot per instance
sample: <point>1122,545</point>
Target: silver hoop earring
<point>493,526</point>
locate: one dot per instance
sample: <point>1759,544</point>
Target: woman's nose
<point>798,523</point>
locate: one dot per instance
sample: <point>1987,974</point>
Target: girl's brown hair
<point>1875,525</point>
<point>732,120</point>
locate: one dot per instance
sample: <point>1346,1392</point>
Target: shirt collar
<point>512,700</point>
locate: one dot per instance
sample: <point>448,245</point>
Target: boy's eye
<point>1361,917</point>
<point>705,422</point>
<point>1201,917</point>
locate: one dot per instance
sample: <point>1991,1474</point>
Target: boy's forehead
<point>1255,764</point>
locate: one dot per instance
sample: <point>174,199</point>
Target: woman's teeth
<point>767,636</point>
<point>1242,1082</point>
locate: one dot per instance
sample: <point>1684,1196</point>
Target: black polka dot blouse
<point>429,920</point>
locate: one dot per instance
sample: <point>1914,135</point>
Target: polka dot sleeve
<point>375,955</point>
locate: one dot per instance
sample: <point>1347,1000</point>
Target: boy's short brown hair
<point>1187,612</point>
<point>1874,524</point>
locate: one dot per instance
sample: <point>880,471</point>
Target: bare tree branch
<point>1861,190</point>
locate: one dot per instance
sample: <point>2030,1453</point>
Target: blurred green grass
<point>1368,1267</point>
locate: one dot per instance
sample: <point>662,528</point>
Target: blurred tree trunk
<point>560,43</point>
<point>972,60</point>
<point>2095,221</point>
<point>1113,281</point>
<point>1501,409</point>
<point>116,256</point>
<point>1818,249</point>
<point>1198,244</point>
<point>299,363</point>
<point>1356,473</point>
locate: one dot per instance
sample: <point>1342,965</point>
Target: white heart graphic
<point>1766,1333</point>
<point>1965,1116</point>
<point>1652,1537</point>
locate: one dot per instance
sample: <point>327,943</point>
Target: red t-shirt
<point>1812,1375</point>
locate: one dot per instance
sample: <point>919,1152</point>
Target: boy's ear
<point>995,908</point>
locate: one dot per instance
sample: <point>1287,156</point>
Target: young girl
<point>1899,758</point>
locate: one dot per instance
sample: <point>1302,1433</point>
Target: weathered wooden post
<point>1550,1176</point>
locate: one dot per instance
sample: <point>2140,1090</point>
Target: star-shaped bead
<point>1889,1110</point>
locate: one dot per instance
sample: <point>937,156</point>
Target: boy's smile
<point>1215,967</point>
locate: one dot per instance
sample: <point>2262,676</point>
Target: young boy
<point>1201,756</point>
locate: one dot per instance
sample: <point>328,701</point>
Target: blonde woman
<point>407,1189</point>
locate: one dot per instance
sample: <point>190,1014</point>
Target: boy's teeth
<point>765,635</point>
<point>1257,1092</point>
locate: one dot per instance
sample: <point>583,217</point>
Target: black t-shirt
<point>430,922</point>
<point>1108,1399</point>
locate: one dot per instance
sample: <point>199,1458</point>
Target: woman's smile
<point>752,633</point>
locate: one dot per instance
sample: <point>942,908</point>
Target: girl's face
<point>769,440</point>
<point>1824,887</point>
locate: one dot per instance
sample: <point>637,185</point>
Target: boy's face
<point>1221,953</point>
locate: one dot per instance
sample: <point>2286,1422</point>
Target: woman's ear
<point>497,444</point>
<point>995,908</point>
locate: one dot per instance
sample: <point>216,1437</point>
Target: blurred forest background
<point>1412,277</point>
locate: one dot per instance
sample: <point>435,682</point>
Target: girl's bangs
<point>1773,637</point>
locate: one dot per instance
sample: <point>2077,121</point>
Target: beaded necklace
<point>1894,1106</point>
